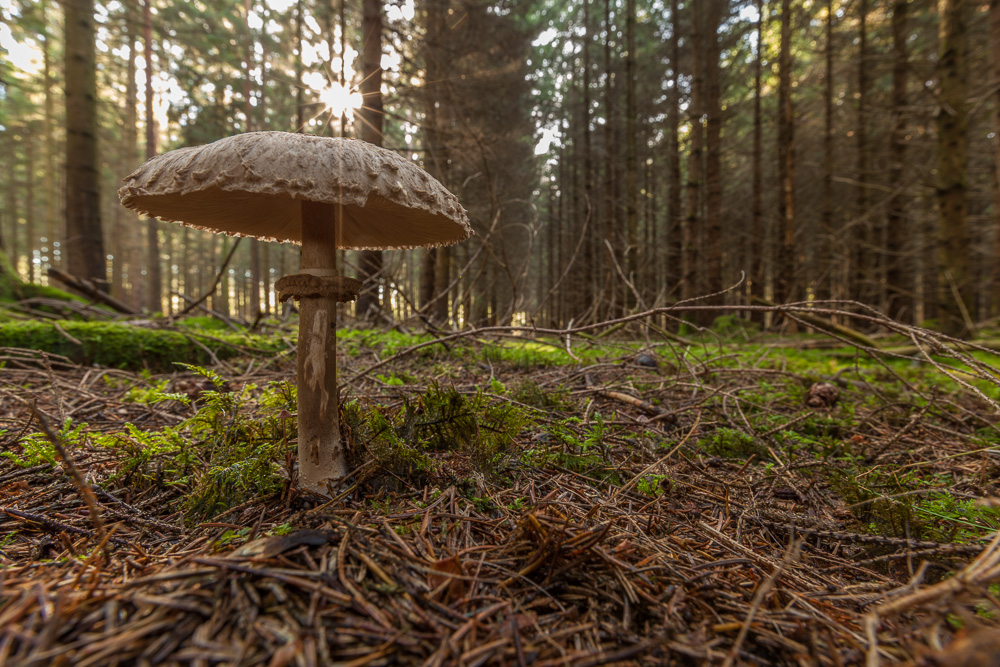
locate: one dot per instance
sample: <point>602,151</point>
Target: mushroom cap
<point>253,184</point>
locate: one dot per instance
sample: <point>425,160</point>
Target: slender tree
<point>899,294</point>
<point>690,283</point>
<point>785,282</point>
<point>954,295</point>
<point>757,267</point>
<point>370,262</point>
<point>716,11</point>
<point>995,48</point>
<point>863,236</point>
<point>154,274</point>
<point>631,139</point>
<point>825,248</point>
<point>673,275</point>
<point>85,240</point>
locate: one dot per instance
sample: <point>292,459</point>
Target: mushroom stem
<point>322,459</point>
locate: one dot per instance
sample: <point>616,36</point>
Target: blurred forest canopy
<point>613,155</point>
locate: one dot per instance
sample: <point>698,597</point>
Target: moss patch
<point>119,345</point>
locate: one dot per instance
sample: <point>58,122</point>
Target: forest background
<point>613,155</point>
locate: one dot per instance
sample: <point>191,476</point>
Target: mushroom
<point>325,193</point>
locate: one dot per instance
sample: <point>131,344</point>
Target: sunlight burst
<point>340,100</point>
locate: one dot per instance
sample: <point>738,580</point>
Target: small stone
<point>647,360</point>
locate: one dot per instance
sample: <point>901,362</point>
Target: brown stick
<point>88,289</point>
<point>648,408</point>
<point>215,285</point>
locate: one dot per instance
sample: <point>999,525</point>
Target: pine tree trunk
<point>436,263</point>
<point>585,264</point>
<point>52,226</point>
<point>610,223</point>
<point>85,256</point>
<point>717,10</point>
<point>30,238</point>
<point>631,176</point>
<point>865,274</point>
<point>690,278</point>
<point>137,286</point>
<point>675,221</point>
<point>954,288</point>
<point>898,297</point>
<point>824,251</point>
<point>786,287</point>
<point>300,117</point>
<point>995,48</point>
<point>154,271</point>
<point>11,209</point>
<point>370,262</point>
<point>758,274</point>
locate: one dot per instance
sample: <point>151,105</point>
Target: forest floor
<point>736,499</point>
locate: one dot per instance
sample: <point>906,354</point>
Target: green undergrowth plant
<point>234,448</point>
<point>404,443</point>
<point>581,447</point>
<point>243,444</point>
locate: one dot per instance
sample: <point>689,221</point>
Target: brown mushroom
<point>325,193</point>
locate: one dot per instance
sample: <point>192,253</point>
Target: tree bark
<point>898,297</point>
<point>675,221</point>
<point>30,236</point>
<point>584,302</point>
<point>995,48</point>
<point>864,259</point>
<point>631,177</point>
<point>370,262</point>
<point>757,275</point>
<point>786,287</point>
<point>954,298</point>
<point>610,222</point>
<point>85,256</point>
<point>52,198</point>
<point>690,278</point>
<point>717,10</point>
<point>154,272</point>
<point>824,258</point>
<point>136,285</point>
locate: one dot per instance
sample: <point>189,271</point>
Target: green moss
<point>732,444</point>
<point>119,345</point>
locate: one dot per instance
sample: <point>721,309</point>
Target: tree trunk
<point>898,297</point>
<point>30,238</point>
<point>995,47</point>
<point>756,265</point>
<point>436,267</point>
<point>85,240</point>
<point>786,288</point>
<point>51,196</point>
<point>154,272</point>
<point>675,221</point>
<point>824,251</point>
<point>610,223</point>
<point>300,118</point>
<point>631,177</point>
<point>370,262</point>
<point>690,282</point>
<point>137,286</point>
<point>584,303</point>
<point>954,287</point>
<point>717,10</point>
<point>865,274</point>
